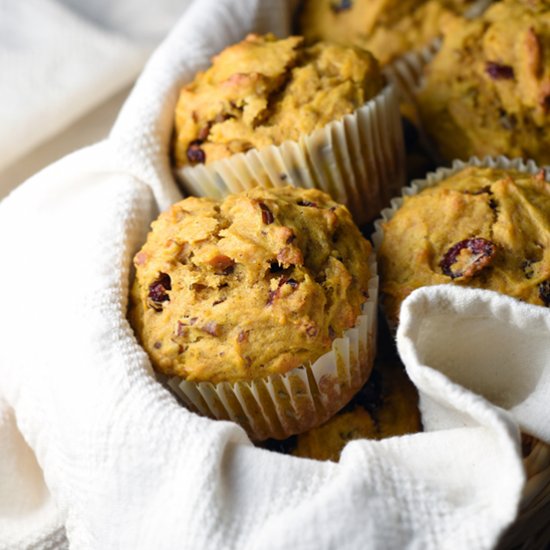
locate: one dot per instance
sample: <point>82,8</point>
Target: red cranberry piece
<point>480,253</point>
<point>307,203</point>
<point>293,283</point>
<point>158,289</point>
<point>544,292</point>
<point>195,154</point>
<point>499,72</point>
<point>267,215</point>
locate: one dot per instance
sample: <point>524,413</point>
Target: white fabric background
<point>127,467</point>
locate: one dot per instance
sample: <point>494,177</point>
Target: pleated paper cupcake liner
<point>279,406</point>
<point>358,160</point>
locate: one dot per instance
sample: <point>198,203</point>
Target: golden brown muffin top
<point>387,406</point>
<point>487,92</point>
<point>263,91</point>
<point>482,227</point>
<point>387,28</point>
<point>256,284</point>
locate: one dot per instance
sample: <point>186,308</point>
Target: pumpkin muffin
<point>387,28</point>
<point>487,91</point>
<point>481,227</point>
<point>386,406</point>
<point>263,91</point>
<point>257,284</point>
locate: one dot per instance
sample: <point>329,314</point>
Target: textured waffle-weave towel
<point>128,467</point>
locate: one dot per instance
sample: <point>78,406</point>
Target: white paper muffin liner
<point>358,160</point>
<point>279,406</point>
<point>536,494</point>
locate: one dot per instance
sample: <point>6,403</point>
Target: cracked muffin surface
<point>263,91</point>
<point>487,91</point>
<point>386,406</point>
<point>259,283</point>
<point>387,28</point>
<point>481,227</point>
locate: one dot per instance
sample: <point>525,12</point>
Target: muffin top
<point>388,28</point>
<point>482,227</point>
<point>257,284</point>
<point>387,406</point>
<point>498,102</point>
<point>263,91</point>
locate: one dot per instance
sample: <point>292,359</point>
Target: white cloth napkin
<point>128,467</point>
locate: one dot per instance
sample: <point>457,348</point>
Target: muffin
<point>498,101</point>
<point>386,406</point>
<point>388,28</point>
<point>257,286</point>
<point>277,112</point>
<point>263,91</point>
<point>481,226</point>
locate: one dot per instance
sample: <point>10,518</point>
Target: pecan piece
<point>498,71</point>
<point>267,215</point>
<point>468,257</point>
<point>212,328</point>
<point>222,264</point>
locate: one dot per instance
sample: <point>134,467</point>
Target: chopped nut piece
<point>267,216</point>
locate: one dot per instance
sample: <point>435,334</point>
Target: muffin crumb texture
<point>487,91</point>
<point>482,227</point>
<point>387,28</point>
<point>254,285</point>
<point>263,91</point>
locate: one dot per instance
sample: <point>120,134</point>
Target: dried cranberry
<point>195,154</point>
<point>481,255</point>
<point>292,283</point>
<point>271,296</point>
<point>312,331</point>
<point>158,289</point>
<point>544,292</point>
<point>499,72</point>
<point>267,216</point>
<point>342,5</point>
<point>307,203</point>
